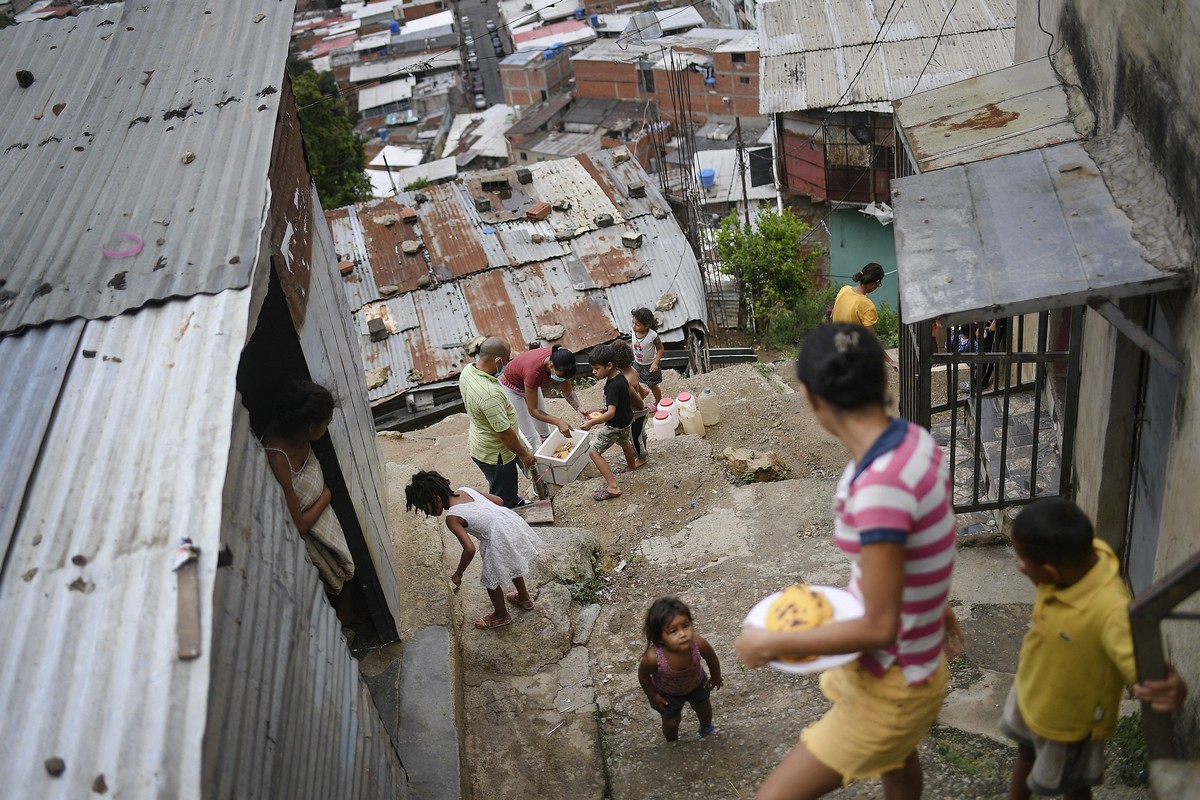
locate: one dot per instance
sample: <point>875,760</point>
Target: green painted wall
<point>857,239</point>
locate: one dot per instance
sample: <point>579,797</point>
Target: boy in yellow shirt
<point>1076,657</point>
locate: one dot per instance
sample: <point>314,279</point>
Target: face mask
<point>556,378</point>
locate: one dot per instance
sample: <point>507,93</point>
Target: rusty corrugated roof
<point>492,272</point>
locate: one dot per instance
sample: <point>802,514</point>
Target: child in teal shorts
<point>1076,658</point>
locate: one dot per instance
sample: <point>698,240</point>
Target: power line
<point>935,44</point>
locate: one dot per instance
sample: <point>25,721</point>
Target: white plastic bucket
<point>664,425</point>
<point>668,405</point>
<point>710,407</point>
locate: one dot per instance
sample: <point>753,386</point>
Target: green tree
<point>774,267</point>
<point>336,155</point>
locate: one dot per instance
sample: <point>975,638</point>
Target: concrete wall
<point>1137,60</point>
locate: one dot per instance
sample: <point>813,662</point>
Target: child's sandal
<point>490,621</point>
<point>515,599</point>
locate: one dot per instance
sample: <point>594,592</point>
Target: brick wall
<point>606,80</point>
<point>535,81</point>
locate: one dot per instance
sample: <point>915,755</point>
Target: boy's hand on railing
<point>1165,695</point>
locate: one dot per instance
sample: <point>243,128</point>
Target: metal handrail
<point>1146,613</point>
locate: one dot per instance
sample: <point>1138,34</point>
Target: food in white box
<point>563,450</point>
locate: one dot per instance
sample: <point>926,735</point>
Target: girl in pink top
<point>895,522</point>
<point>670,671</point>
<point>522,380</point>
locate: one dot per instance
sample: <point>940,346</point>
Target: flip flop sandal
<point>621,470</point>
<point>490,621</point>
<point>604,494</point>
<point>512,598</point>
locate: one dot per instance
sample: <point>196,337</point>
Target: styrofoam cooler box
<point>560,471</point>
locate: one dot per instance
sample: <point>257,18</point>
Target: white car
<point>480,101</point>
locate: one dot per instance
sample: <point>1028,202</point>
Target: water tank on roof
<point>579,13</point>
<point>394,26</point>
<point>595,20</point>
<point>708,178</point>
<point>383,134</point>
<point>549,54</point>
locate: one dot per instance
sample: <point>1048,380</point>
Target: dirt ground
<point>683,526</point>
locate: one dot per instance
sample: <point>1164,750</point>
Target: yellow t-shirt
<point>1078,655</point>
<point>850,306</point>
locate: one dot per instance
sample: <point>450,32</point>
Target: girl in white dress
<point>507,542</point>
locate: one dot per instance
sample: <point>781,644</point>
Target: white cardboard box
<point>560,471</point>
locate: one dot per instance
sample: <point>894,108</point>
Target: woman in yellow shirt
<point>852,304</point>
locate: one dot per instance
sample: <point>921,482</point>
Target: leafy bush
<point>419,183</point>
<point>789,325</point>
<point>774,267</point>
<point>888,327</point>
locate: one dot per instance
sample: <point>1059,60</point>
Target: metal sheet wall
<point>131,458</point>
<point>330,347</point>
<point>288,715</point>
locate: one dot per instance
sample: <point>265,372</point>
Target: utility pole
<point>741,155</point>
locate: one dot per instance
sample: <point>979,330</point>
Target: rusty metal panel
<point>435,345</point>
<point>675,271</point>
<point>290,219</point>
<point>453,242</point>
<point>123,135</point>
<point>359,286</point>
<point>383,236</point>
<point>498,308</point>
<point>599,259</point>
<point>551,301</point>
<point>1007,111</point>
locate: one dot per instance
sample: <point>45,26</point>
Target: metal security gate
<point>1001,396</point>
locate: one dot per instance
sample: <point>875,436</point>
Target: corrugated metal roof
<point>116,110</point>
<point>561,144</point>
<point>505,283</point>
<point>1011,110</point>
<point>727,178</point>
<point>89,596</point>
<point>810,50</point>
<point>482,132</point>
<point>1016,234</point>
<point>391,92</point>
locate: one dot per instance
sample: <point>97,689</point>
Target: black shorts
<point>675,702</point>
<point>646,376</point>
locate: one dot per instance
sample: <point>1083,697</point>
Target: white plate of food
<point>844,606</point>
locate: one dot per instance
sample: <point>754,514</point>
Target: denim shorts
<point>696,697</point>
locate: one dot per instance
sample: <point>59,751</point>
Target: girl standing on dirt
<point>303,411</point>
<point>670,672</point>
<point>894,521</point>
<point>507,541</point>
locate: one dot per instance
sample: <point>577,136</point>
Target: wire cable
<point>935,44</point>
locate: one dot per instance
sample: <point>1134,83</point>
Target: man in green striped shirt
<point>492,437</point>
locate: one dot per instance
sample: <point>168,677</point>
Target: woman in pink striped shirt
<point>894,521</point>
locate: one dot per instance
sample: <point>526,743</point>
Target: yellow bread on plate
<point>797,608</point>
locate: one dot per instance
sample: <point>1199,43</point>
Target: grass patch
<point>585,589</point>
<point>973,755</point>
<point>1125,755</point>
<point>766,370</point>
